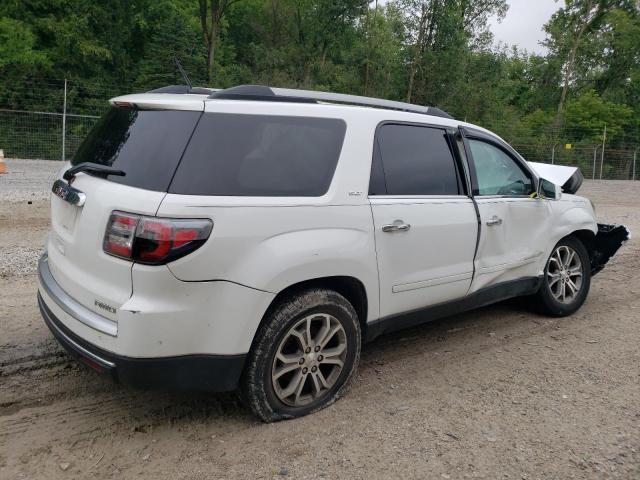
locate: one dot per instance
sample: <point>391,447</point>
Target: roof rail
<point>259,93</point>
<point>273,94</point>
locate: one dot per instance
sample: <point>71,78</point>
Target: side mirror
<point>549,190</point>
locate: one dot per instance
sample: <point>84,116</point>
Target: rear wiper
<point>92,167</point>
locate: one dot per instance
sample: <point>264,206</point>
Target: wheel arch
<point>349,287</point>
<point>571,220</point>
<point>588,239</point>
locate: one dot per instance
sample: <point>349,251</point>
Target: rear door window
<point>413,160</point>
<point>145,144</point>
<point>260,155</point>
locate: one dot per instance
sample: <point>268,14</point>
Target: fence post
<point>553,154</point>
<point>595,156</point>
<point>64,120</point>
<point>635,154</point>
<point>604,139</point>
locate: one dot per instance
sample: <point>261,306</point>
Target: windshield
<point>145,144</point>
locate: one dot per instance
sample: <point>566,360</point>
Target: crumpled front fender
<point>606,243</point>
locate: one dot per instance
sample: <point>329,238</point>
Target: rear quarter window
<point>260,155</point>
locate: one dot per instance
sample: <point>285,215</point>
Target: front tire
<point>567,278</point>
<point>304,356</point>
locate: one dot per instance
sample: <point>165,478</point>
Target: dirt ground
<point>496,393</point>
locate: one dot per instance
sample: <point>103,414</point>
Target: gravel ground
<point>27,180</point>
<point>500,392</point>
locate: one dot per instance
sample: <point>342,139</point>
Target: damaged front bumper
<point>606,243</point>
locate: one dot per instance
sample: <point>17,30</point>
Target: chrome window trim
<point>419,197</point>
<point>522,197</point>
<point>69,305</point>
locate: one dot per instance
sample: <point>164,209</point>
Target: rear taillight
<point>121,230</point>
<point>152,240</point>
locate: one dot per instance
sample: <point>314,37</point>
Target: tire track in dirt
<point>77,419</point>
<point>38,359</point>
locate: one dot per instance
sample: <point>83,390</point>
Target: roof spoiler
<point>185,89</point>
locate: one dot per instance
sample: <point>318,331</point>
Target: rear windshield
<point>260,155</point>
<point>145,144</point>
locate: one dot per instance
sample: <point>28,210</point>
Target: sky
<point>522,26</point>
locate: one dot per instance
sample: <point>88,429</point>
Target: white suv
<point>252,238</point>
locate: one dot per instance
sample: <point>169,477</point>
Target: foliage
<point>436,52</point>
<point>17,43</point>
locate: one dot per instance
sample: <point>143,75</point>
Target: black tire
<point>546,300</point>
<point>257,387</point>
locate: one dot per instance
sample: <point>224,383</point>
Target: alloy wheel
<point>564,274</point>
<point>309,359</point>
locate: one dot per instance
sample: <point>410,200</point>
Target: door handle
<point>495,220</point>
<point>397,226</point>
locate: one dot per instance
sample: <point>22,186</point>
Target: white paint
<point>557,174</point>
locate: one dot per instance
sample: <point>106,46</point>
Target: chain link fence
<point>50,121</point>
<point>594,161</point>
<point>39,135</point>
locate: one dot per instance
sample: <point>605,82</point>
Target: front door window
<point>497,173</point>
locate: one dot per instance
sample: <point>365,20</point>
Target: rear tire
<point>304,356</point>
<point>567,279</point>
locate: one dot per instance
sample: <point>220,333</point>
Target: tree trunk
<point>275,24</point>
<point>419,49</point>
<point>204,25</point>
<point>210,15</point>
<point>369,46</point>
<point>213,43</point>
<point>302,73</point>
<point>567,78</point>
<point>367,59</point>
<point>571,65</point>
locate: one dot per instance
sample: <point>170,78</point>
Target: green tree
<point>569,29</point>
<point>440,34</point>
<point>589,113</point>
<point>18,47</point>
<point>170,31</point>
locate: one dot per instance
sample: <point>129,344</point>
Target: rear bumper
<point>91,319</point>
<point>163,317</point>
<point>217,373</point>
